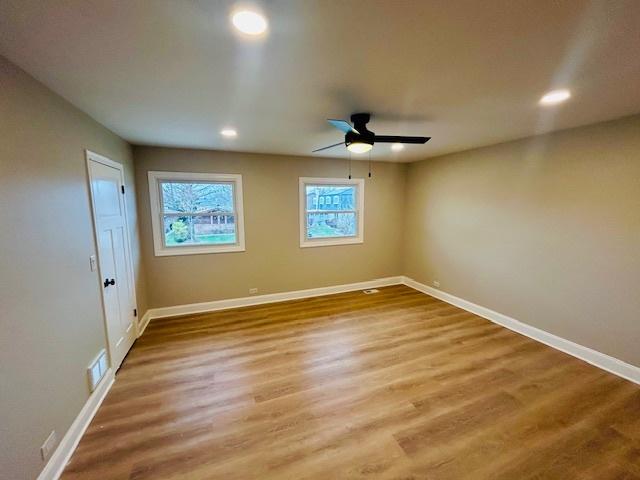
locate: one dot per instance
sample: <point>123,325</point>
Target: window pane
<point>323,225</point>
<point>330,197</point>
<point>199,230</point>
<point>197,197</point>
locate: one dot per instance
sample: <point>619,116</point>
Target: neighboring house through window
<point>196,213</point>
<point>331,211</point>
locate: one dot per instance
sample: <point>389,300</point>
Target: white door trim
<point>95,157</point>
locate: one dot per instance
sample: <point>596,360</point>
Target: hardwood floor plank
<point>396,385</point>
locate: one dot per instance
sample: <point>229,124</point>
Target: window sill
<point>171,252</point>
<point>330,242</point>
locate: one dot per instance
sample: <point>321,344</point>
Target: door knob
<point>108,282</point>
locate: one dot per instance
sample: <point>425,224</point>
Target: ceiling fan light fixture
<point>359,147</point>
<point>358,139</point>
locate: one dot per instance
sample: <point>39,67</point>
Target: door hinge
<point>122,189</point>
<point>135,312</point>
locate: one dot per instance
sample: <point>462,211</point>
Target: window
<point>196,213</point>
<point>337,220</point>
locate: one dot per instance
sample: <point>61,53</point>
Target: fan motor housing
<point>364,135</point>
<point>360,119</point>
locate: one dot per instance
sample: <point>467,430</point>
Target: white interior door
<point>114,258</point>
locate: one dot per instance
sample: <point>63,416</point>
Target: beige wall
<point>545,230</point>
<point>51,323</point>
<point>273,260</point>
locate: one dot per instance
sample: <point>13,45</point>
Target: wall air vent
<point>97,369</point>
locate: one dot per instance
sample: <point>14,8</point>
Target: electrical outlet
<point>49,444</point>
<point>93,264</point>
<point>253,291</point>
<point>436,283</point>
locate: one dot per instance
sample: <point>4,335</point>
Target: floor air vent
<point>369,291</point>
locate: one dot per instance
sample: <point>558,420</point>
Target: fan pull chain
<point>369,163</point>
<point>349,165</point>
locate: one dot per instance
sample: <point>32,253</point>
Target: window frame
<point>358,209</point>
<point>157,213</point>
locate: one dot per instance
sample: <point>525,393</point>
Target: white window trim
<point>359,207</point>
<point>156,211</point>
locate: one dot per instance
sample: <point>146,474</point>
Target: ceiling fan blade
<point>342,125</point>
<point>326,148</point>
<point>400,139</point>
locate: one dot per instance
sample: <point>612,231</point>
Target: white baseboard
<point>143,322</point>
<point>188,309</point>
<point>55,466</point>
<point>598,359</point>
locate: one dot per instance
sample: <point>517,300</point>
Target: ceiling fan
<point>358,139</point>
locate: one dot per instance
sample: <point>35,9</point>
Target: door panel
<point>107,271</point>
<point>122,275</point>
<point>113,258</point>
<point>108,200</point>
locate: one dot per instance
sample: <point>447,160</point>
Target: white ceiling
<point>467,73</point>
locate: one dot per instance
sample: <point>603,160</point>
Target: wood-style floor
<point>394,385</point>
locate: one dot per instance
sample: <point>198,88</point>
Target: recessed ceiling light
<point>251,23</point>
<point>228,132</point>
<point>396,147</point>
<point>555,96</point>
